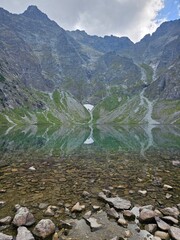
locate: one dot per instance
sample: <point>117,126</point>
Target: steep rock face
<point>129,83</point>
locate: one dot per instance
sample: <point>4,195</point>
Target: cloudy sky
<point>132,18</point>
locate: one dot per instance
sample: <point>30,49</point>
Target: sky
<point>131,18</point>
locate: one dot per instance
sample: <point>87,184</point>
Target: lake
<point>55,164</point>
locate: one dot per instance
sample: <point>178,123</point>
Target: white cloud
<point>132,18</point>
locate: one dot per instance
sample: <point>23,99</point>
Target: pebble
<point>162,235</point>
<point>77,207</point>
<point>43,205</point>
<point>122,222</point>
<point>151,228</point>
<point>167,187</point>
<point>129,215</point>
<point>127,233</point>
<point>112,212</point>
<point>168,196</point>
<point>142,192</point>
<point>2,203</point>
<point>146,216</point>
<point>93,223</point>
<point>96,208</point>
<point>44,228</point>
<point>174,233</point>
<point>32,168</point>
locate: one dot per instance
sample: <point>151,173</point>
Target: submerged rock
<point>117,202</point>
<point>44,228</point>
<point>24,234</point>
<point>23,217</point>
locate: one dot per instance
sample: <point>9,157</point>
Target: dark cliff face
<point>36,54</point>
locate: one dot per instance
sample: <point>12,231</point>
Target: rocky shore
<point>115,218</point>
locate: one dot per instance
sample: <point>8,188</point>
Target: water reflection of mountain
<point>65,140</point>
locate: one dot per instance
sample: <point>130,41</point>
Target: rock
<point>161,224</point>
<point>24,234</point>
<point>117,202</point>
<point>5,221</point>
<point>87,215</point>
<point>176,163</point>
<point>111,212</point>
<point>68,224</point>
<point>5,237</point>
<point>170,220</point>
<point>77,207</point>
<point>158,213</point>
<point>2,203</point>
<point>151,228</point>
<point>173,212</point>
<point>162,235</point>
<point>142,192</point>
<point>146,216</point>
<point>32,168</point>
<point>107,192</point>
<point>178,206</point>
<point>96,208</point>
<point>168,196</point>
<point>122,222</point>
<point>129,215</point>
<point>17,206</point>
<point>49,211</point>
<point>4,227</point>
<point>86,194</point>
<point>149,207</point>
<point>167,187</point>
<point>44,228</point>
<point>43,205</point>
<point>156,238</point>
<point>3,190</point>
<point>93,223</point>
<point>174,233</point>
<point>55,236</point>
<point>127,234</point>
<point>23,217</point>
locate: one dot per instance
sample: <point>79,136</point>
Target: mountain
<point>47,73</point>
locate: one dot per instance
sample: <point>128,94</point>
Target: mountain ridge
<point>37,55</point>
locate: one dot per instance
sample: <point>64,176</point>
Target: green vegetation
<point>149,72</point>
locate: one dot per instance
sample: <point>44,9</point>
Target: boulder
<point>146,216</point>
<point>116,202</point>
<point>44,228</point>
<point>24,234</point>
<point>23,217</point>
<point>5,237</point>
<point>174,233</point>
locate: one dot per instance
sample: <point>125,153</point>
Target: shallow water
<point>125,158</point>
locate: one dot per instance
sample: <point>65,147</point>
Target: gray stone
<point>43,205</point>
<point>111,212</point>
<point>77,207</point>
<point>24,234</point>
<point>151,228</point>
<point>5,221</point>
<point>93,223</point>
<point>23,217</point>
<point>173,212</point>
<point>44,228</point>
<point>161,224</point>
<point>146,216</point>
<point>174,233</point>
<point>117,202</point>
<point>170,220</point>
<point>5,237</point>
<point>162,235</point>
<point>129,215</point>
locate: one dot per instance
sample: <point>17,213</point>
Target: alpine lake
<point>55,164</point>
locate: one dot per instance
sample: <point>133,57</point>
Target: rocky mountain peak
<point>33,12</point>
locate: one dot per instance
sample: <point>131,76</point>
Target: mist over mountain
<point>47,73</point>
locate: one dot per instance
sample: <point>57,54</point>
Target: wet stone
<point>93,224</point>
<point>116,202</point>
